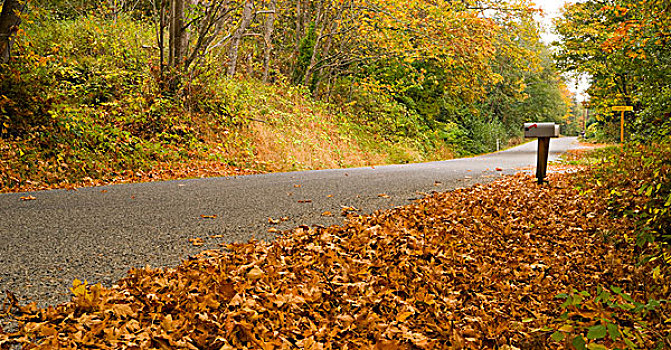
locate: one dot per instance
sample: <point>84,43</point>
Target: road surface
<point>98,233</point>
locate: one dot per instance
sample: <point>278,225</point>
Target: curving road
<point>98,233</point>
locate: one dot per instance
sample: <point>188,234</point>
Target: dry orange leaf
<point>402,316</point>
<point>196,241</point>
<point>274,221</point>
<point>255,273</point>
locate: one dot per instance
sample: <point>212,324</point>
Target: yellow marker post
<point>622,109</point>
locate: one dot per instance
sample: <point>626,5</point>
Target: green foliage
<point>25,98</point>
<point>623,46</point>
<point>636,180</point>
<point>305,49</point>
<point>73,9</point>
<point>96,60</point>
<point>611,319</point>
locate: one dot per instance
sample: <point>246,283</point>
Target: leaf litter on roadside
<point>471,268</point>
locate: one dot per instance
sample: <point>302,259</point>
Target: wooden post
<point>542,161</point>
<point>622,127</point>
<point>622,109</point>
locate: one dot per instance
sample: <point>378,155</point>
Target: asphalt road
<point>98,233</point>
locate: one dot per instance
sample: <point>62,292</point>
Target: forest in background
<point>623,46</point>
<point>111,90</point>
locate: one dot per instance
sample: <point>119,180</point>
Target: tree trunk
<point>298,37</point>
<point>176,49</point>
<point>247,14</point>
<point>9,25</point>
<point>160,39</point>
<point>268,28</point>
<point>322,13</point>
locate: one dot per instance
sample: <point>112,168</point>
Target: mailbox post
<point>543,132</point>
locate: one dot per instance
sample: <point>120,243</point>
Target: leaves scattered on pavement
<point>472,268</point>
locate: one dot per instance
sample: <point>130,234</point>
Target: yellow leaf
<point>78,288</point>
<point>402,316</point>
<point>566,328</point>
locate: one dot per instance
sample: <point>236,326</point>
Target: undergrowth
<point>634,183</point>
<point>81,105</point>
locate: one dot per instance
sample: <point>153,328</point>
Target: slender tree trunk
<point>250,64</point>
<point>316,49</point>
<point>176,49</point>
<point>268,28</point>
<point>9,25</point>
<point>326,50</point>
<point>247,14</point>
<point>160,39</point>
<point>299,35</point>
<point>189,30</point>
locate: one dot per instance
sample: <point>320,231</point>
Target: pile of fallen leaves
<point>14,180</point>
<point>472,268</point>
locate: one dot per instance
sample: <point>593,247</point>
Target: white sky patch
<point>551,10</point>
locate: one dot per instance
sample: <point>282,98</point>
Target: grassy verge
<point>80,106</point>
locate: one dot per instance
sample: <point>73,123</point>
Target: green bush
<point>24,96</point>
<point>96,60</point>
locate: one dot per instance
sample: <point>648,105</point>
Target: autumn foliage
<point>485,267</point>
<point>623,46</point>
<point>91,96</point>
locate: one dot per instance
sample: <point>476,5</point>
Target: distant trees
<point>462,63</point>
<point>452,69</point>
<point>623,45</point>
<point>322,39</point>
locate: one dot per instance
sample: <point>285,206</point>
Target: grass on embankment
<point>131,139</point>
<point>80,106</point>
